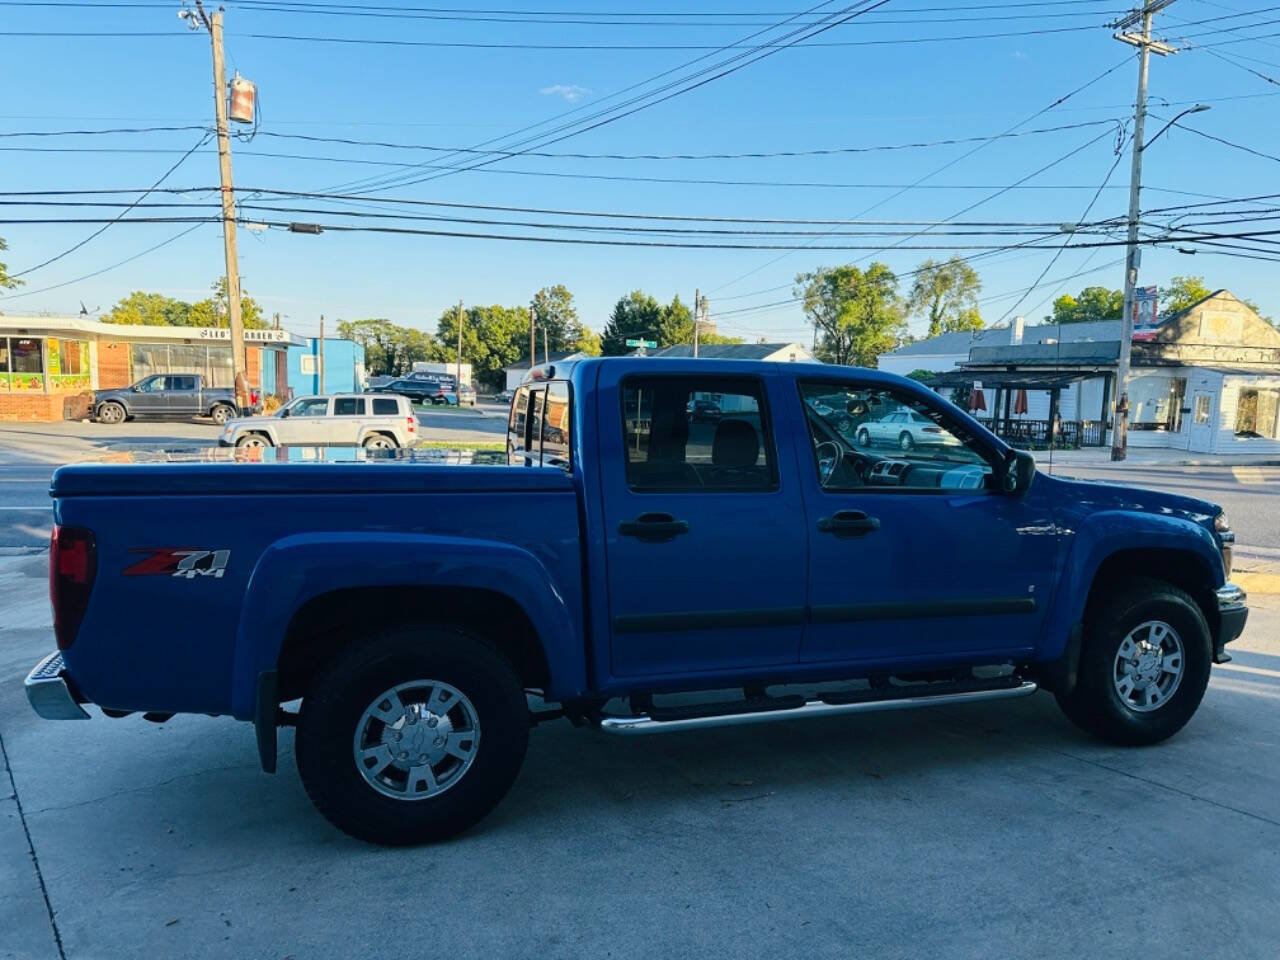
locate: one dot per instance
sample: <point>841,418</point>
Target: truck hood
<point>304,470</point>
<point>1096,495</point>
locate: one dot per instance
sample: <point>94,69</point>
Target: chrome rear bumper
<point>49,693</point>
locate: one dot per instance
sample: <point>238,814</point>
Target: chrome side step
<point>643,723</point>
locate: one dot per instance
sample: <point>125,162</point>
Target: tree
<point>675,323</point>
<point>857,314</point>
<point>6,282</point>
<point>493,337</point>
<point>1180,293</point>
<point>156,309</point>
<point>390,349</point>
<point>635,316</point>
<point>947,295</point>
<point>1093,303</point>
<point>553,311</point>
<point>212,311</point>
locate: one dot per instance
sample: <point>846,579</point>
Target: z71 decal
<point>179,562</point>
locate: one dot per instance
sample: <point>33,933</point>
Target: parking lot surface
<point>972,831</point>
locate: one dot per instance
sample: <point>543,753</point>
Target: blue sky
<point>799,99</point>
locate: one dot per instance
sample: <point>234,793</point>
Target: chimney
<point>1015,331</point>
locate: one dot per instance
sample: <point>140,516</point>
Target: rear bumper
<point>49,692</point>
<point>1233,611</point>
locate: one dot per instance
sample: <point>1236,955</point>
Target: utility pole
<point>1144,43</point>
<point>320,358</point>
<point>697,296</point>
<point>457,385</point>
<point>546,351</point>
<point>532,346</point>
<point>213,24</point>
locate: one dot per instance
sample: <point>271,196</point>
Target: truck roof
<point>571,369</point>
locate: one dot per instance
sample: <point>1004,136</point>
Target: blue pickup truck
<point>634,567</point>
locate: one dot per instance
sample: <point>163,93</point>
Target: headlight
<point>1221,524</point>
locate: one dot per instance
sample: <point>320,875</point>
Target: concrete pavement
<point>965,832</point>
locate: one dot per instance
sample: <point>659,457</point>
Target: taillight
<point>412,424</point>
<point>73,565</point>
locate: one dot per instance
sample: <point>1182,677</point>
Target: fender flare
<point>297,569</point>
<point>1104,534</point>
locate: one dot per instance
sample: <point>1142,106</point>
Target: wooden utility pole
<point>238,366</point>
<point>697,295</point>
<point>532,342</point>
<point>546,351</point>
<point>457,384</point>
<point>320,359</point>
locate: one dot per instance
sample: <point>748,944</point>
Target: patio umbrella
<point>977,401</point>
<point>1020,401</point>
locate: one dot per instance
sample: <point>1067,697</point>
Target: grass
<point>460,445</point>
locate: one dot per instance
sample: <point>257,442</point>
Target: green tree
<point>6,282</point>
<point>150,309</point>
<point>554,311</point>
<point>675,323</point>
<point>1093,303</point>
<point>212,311</point>
<point>636,315</point>
<point>493,337</point>
<point>1180,293</point>
<point>946,294</point>
<point>857,314</point>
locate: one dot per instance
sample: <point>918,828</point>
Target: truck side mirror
<point>1019,472</point>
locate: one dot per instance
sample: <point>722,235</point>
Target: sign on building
<point>1144,313</point>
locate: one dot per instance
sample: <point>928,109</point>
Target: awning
<point>1008,379</point>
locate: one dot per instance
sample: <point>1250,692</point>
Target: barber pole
<point>244,99</point>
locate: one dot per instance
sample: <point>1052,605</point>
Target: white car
<point>375,421</point>
<point>906,430</point>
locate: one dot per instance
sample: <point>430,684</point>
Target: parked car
<point>409,606</point>
<point>905,429</point>
<point>503,396</point>
<point>345,419</point>
<point>420,391</point>
<point>704,411</point>
<point>466,395</point>
<point>171,396</point>
<point>377,381</point>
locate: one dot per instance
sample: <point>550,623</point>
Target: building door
<point>1203,412</point>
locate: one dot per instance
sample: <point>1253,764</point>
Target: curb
<point>1257,583</point>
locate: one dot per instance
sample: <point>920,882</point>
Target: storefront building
<point>46,363</point>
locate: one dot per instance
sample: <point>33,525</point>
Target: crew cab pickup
<point>633,567</point>
<point>171,396</point>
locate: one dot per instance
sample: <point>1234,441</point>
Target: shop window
<point>1256,414</point>
<point>1155,403</point>
<point>4,355</point>
<point>26,356</point>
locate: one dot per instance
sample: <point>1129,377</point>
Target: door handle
<point>849,523</point>
<point>653,527</point>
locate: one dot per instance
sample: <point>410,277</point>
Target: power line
<point>97,233</point>
<point>97,133</point>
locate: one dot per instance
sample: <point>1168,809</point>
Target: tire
<point>253,441</point>
<point>906,441</point>
<point>1142,716</point>
<point>112,413</point>
<point>864,438</point>
<point>220,414</point>
<point>379,441</point>
<point>336,719</point>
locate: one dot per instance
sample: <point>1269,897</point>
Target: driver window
<point>873,438</point>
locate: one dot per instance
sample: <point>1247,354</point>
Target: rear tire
<point>411,797</point>
<point>220,414</point>
<point>1144,665</point>
<point>379,441</point>
<point>905,441</point>
<point>864,438</point>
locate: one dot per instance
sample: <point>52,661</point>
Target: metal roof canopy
<point>1022,380</point>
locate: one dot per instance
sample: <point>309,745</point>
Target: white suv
<point>373,421</point>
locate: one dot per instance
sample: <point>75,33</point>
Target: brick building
<point>47,362</point>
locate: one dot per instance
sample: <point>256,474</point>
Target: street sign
<point>642,343</point>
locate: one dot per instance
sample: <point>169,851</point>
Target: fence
<point>1035,434</point>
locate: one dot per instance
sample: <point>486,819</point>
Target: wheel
<point>111,413</point>
<point>413,736</point>
<point>864,438</point>
<point>379,441</point>
<point>904,441</point>
<point>220,414</point>
<point>1144,665</point>
<point>252,441</point>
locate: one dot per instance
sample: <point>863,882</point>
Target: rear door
<point>705,547</point>
<point>348,422</point>
<point>183,395</point>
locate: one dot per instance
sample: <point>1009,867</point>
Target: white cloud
<point>570,91</point>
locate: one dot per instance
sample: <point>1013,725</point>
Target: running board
<point>644,723</point>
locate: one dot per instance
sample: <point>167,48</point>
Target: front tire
<point>111,413</point>
<point>253,441</point>
<point>1144,665</point>
<point>412,737</point>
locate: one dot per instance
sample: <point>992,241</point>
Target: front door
<point>1200,439</point>
<point>915,552</point>
<point>307,423</point>
<point>150,399</point>
<point>706,562</point>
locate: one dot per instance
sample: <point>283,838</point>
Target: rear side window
<point>348,407</point>
<point>555,425</point>
<point>518,427</point>
<point>385,406</point>
<point>182,383</point>
<point>697,434</point>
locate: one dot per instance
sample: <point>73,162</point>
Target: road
<point>960,832</point>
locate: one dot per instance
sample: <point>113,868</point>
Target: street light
<point>1198,108</point>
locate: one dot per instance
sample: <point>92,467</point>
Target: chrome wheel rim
<point>905,441</point>
<point>1148,667</point>
<point>110,414</point>
<point>252,442</point>
<point>416,740</point>
<point>378,443</point>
